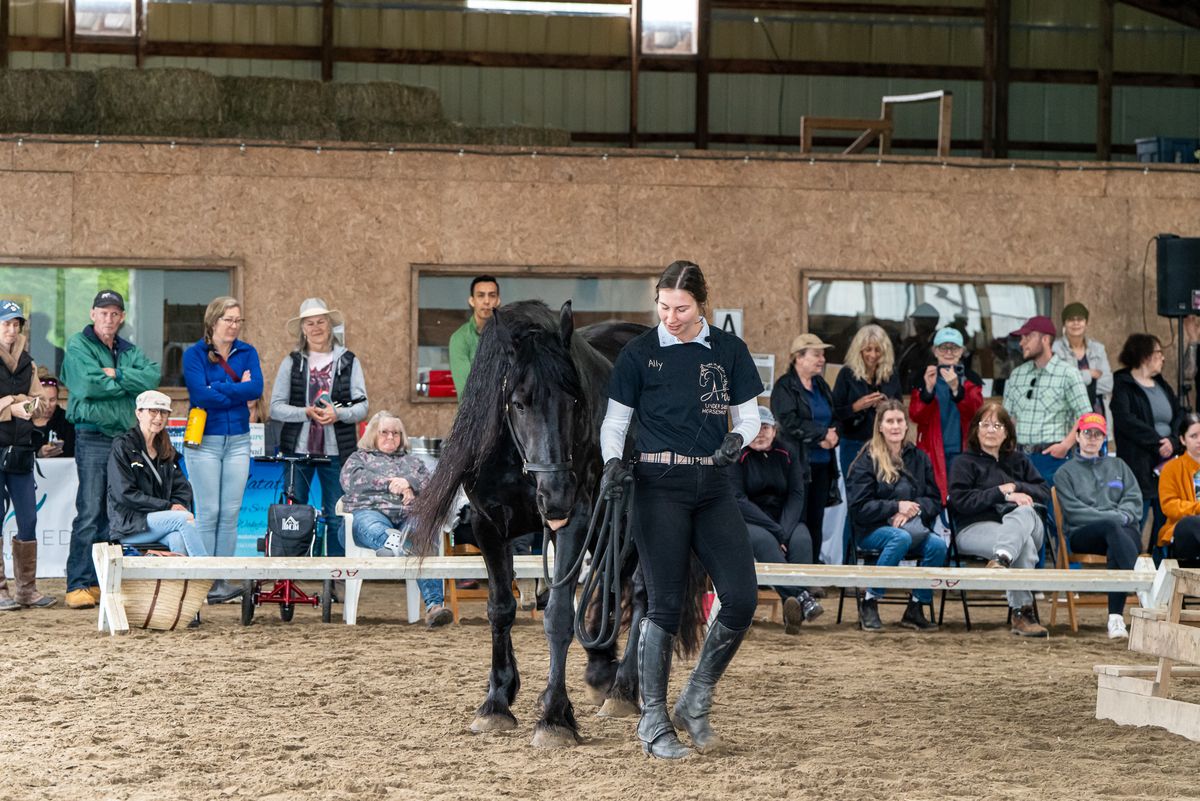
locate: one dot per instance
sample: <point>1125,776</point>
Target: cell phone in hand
<point>324,398</point>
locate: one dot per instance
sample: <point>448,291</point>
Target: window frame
<point>235,268</point>
<point>501,271</point>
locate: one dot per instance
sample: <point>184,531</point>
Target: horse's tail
<point>691,619</point>
<point>434,505</point>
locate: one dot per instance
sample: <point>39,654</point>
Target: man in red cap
<point>1045,396</point>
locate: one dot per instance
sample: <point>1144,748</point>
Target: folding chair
<point>1066,559</point>
<point>956,558</point>
<point>869,557</point>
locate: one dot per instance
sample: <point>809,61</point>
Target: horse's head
<point>543,404</point>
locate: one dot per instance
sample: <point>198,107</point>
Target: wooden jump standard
<point>112,568</point>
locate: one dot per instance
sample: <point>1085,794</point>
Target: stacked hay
<point>48,101</point>
<point>158,102</point>
<point>274,108</point>
<point>382,112</point>
<point>520,136</point>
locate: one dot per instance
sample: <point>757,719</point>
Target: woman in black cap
<point>685,381</point>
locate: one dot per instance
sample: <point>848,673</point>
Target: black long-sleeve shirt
<point>770,487</point>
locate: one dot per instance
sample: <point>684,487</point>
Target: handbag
<point>16,459</point>
<point>919,531</point>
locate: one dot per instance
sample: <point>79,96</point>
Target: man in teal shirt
<point>484,298</point>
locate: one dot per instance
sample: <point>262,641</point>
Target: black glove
<point>612,482</point>
<point>731,448</point>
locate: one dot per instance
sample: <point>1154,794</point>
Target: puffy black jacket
<point>133,490</point>
<point>873,503</point>
<point>1133,427</point>
<point>974,479</point>
<point>770,488</point>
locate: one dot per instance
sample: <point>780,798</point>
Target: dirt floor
<point>312,711</point>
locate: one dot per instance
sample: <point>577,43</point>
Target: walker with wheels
<point>293,516</point>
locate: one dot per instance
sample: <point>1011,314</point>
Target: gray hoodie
<point>1094,490</point>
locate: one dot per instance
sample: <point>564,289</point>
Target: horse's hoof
<point>618,708</point>
<point>554,737</point>
<point>595,695</point>
<point>486,723</point>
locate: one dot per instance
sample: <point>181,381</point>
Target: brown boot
<point>1025,624</point>
<point>25,573</point>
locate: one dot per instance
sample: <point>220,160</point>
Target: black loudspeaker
<point>1178,276</point>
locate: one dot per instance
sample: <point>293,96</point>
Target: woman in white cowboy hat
<point>320,396</point>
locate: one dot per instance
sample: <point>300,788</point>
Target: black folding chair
<point>855,554</point>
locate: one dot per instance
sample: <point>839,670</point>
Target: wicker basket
<point>165,604</point>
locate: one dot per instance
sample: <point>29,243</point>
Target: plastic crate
<point>1167,149</point>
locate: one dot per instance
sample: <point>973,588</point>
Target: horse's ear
<point>566,323</point>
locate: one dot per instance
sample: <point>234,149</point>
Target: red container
<point>440,377</point>
<point>442,390</point>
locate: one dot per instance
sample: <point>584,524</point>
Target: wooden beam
<point>1003,75</point>
<point>635,60</point>
<point>1104,83</point>
<point>4,33</point>
<point>988,115</point>
<point>327,12</point>
<point>878,9</point>
<point>703,52</point>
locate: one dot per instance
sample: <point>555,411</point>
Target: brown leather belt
<point>668,457</point>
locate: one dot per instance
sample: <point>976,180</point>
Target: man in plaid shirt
<point>1045,396</point>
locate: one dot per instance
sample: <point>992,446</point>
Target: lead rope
<point>610,541</point>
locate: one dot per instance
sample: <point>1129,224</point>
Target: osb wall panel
<point>349,227</point>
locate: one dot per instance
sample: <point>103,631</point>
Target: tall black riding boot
<point>654,671</point>
<point>691,710</point>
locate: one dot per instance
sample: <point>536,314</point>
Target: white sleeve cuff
<point>745,420</point>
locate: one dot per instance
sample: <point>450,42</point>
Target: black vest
<point>16,431</point>
<point>347,435</point>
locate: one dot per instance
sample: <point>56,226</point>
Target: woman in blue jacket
<point>223,375</point>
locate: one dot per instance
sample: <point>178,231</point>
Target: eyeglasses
<point>156,412</point>
<point>395,434</point>
<point>1029,394</point>
<point>1092,433</point>
<point>49,382</point>
<point>991,426</point>
<point>947,348</point>
<point>233,320</point>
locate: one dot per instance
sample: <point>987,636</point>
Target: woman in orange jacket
<point>1177,492</point>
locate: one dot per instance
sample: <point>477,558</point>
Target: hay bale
<point>158,102</point>
<point>272,100</point>
<point>380,102</point>
<point>279,131</point>
<point>453,133</point>
<point>48,101</point>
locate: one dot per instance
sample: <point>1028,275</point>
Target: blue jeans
<point>20,492</point>
<point>330,476</point>
<point>175,529</point>
<point>1047,466</point>
<point>218,470</point>
<point>894,543</point>
<point>91,506</point>
<point>370,531</point>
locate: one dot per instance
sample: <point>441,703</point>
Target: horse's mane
<point>524,334</point>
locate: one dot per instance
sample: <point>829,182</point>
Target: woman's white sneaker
<point>1116,628</point>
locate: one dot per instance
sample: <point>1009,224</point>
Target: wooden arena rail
<point>113,568</point>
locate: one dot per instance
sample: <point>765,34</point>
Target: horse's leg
<point>494,713</point>
<point>622,698</point>
<point>556,727</point>
<point>602,662</point>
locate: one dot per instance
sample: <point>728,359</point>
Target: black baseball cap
<point>107,297</point>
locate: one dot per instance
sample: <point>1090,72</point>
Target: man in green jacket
<point>484,298</point>
<point>104,374</point>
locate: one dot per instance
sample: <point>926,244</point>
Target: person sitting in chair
<point>380,480</point>
<point>894,499</point>
<point>1177,492</point>
<point>769,486</point>
<point>1101,507</point>
<point>149,499</point>
<point>993,491</point>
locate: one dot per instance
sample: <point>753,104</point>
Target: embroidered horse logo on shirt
<point>714,389</point>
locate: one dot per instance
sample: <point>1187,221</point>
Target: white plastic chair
<point>354,586</point>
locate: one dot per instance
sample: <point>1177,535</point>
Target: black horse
<point>525,447</point>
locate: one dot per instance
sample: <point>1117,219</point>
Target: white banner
<point>55,512</point>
